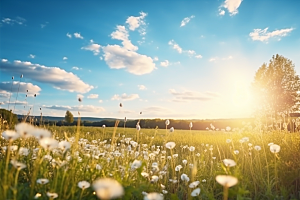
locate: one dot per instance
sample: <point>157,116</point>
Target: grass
<point>261,174</point>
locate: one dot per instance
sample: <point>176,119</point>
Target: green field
<point>102,152</point>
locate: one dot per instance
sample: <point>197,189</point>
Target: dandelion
<point>25,130</point>
<point>18,165</point>
<point>64,145</point>
<point>23,151</point>
<point>40,133</point>
<point>42,181</point>
<point>194,184</point>
<point>153,196</point>
<point>136,164</point>
<point>170,145</point>
<point>184,162</point>
<point>195,192</point>
<point>228,128</point>
<point>257,148</point>
<point>154,179</point>
<point>229,162</point>
<point>107,188</point>
<point>52,195</point>
<point>274,148</point>
<point>226,180</point>
<point>167,122</point>
<point>83,184</point>
<point>138,127</point>
<point>236,152</point>
<point>178,168</point>
<point>145,174</point>
<point>48,143</point>
<point>185,177</point>
<point>10,135</point>
<point>37,195</point>
<point>103,126</point>
<point>191,125</point>
<point>191,148</point>
<point>171,129</point>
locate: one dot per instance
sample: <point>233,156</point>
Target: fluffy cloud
<point>69,35</point>
<point>142,87</point>
<point>164,63</point>
<point>187,96</point>
<point>231,5</point>
<point>18,103</point>
<point>122,34</point>
<point>77,35</point>
<point>135,22</point>
<point>44,25</point>
<point>198,56</point>
<point>186,20</point>
<point>20,86</point>
<point>155,58</point>
<point>65,58</point>
<point>125,97</point>
<point>32,56</point>
<point>17,20</point>
<point>175,46</point>
<point>81,108</point>
<point>213,59</point>
<point>95,48</point>
<point>264,35</point>
<point>75,68</point>
<point>118,57</point>
<point>54,76</point>
<point>93,96</point>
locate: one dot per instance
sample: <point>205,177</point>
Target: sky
<point>159,59</point>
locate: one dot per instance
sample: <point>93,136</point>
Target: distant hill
<point>91,119</point>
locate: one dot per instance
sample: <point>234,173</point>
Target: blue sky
<point>166,59</point>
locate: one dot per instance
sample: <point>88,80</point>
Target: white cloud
<point>135,22</point>
<point>75,68</point>
<point>44,25</point>
<point>77,35</point>
<point>32,56</point>
<point>264,35</point>
<point>65,58</point>
<point>155,58</point>
<point>213,59</point>
<point>221,12</point>
<point>95,48</point>
<point>198,56</point>
<point>164,63</point>
<point>175,46</point>
<point>227,58</point>
<point>191,52</point>
<point>15,102</point>
<point>125,97</point>
<point>54,76</point>
<point>4,60</point>
<point>80,108</point>
<point>93,96</point>
<point>118,57</point>
<point>122,34</point>
<point>187,96</point>
<point>17,20</point>
<point>69,35</point>
<point>22,87</point>
<point>142,87</point>
<point>231,5</point>
<point>186,20</point>
<point>100,101</point>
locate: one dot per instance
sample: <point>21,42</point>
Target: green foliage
<point>69,117</point>
<point>8,116</point>
<point>276,85</point>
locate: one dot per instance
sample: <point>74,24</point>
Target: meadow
<point>124,163</point>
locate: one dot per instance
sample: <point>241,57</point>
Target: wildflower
<point>162,186</point>
<point>10,135</point>
<point>107,188</point>
<point>103,126</point>
<point>228,128</point>
<point>229,162</point>
<point>171,130</point>
<point>83,184</point>
<point>64,145</point>
<point>52,195</point>
<point>194,184</point>
<point>40,133</point>
<point>236,152</point>
<point>178,168</point>
<point>226,181</point>
<point>270,144</point>
<point>138,127</point>
<point>48,143</point>
<point>145,174</point>
<point>184,177</point>
<point>170,145</point>
<point>164,191</point>
<point>98,167</point>
<point>136,164</point>
<point>153,196</point>
<point>192,148</point>
<point>257,148</point>
<point>25,130</point>
<point>154,179</point>
<point>195,192</point>
<point>23,151</point>
<point>42,181</point>
<point>18,165</point>
<point>191,125</point>
<point>167,122</point>
<point>37,195</point>
<point>204,181</point>
<point>274,148</point>
<point>184,162</point>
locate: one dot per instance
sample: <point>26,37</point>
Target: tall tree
<point>69,117</point>
<point>276,86</point>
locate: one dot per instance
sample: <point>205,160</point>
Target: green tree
<point>276,86</point>
<point>8,117</point>
<point>69,117</point>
